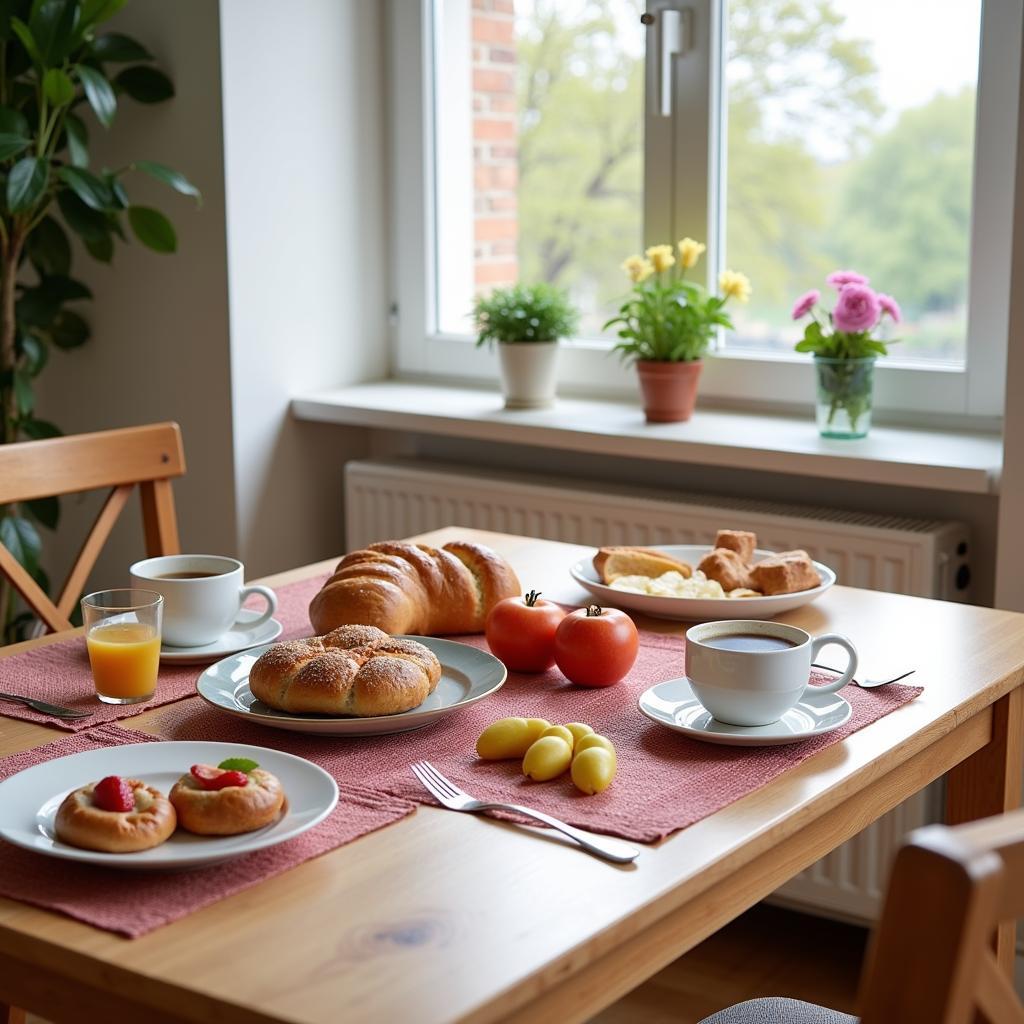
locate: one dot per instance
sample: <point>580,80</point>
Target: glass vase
<point>845,387</point>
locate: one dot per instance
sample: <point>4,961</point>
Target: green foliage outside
<point>537,312</point>
<point>58,73</point>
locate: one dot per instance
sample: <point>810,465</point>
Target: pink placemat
<point>665,780</point>
<point>59,673</point>
<point>135,902</point>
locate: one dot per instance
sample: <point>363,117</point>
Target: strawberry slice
<point>113,794</point>
<point>216,778</point>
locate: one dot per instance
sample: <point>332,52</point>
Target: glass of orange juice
<point>122,633</point>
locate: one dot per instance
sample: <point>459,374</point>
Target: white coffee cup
<point>761,671</point>
<point>199,609</point>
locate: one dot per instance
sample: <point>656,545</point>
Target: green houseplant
<point>844,347</point>
<point>58,72</point>
<point>668,323</point>
<point>526,321</point>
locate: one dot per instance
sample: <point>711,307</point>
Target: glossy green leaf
<point>119,49</point>
<point>145,84</point>
<point>69,330</point>
<point>24,395</point>
<point>52,25</point>
<point>45,511</point>
<point>77,138</point>
<point>169,176</point>
<point>84,221</point>
<point>96,11</point>
<point>11,145</point>
<point>26,183</point>
<point>35,308</point>
<point>58,88</point>
<point>99,92</point>
<point>101,249</point>
<point>37,430</point>
<point>21,538</point>
<point>34,352</point>
<point>21,30</point>
<point>152,229</point>
<point>92,190</point>
<point>13,122</point>
<point>62,288</point>
<point>48,248</point>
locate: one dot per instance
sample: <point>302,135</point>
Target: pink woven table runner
<point>665,780</point>
<point>59,673</point>
<point>133,903</point>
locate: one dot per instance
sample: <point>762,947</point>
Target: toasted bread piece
<point>784,573</point>
<point>740,541</point>
<point>727,568</point>
<point>613,562</point>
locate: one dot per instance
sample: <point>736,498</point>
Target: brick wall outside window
<point>495,153</point>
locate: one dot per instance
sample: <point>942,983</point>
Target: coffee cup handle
<point>267,594</point>
<point>834,638</point>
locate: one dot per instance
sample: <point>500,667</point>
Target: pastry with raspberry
<point>234,797</point>
<point>115,815</point>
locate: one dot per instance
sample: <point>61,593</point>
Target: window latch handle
<point>675,38</point>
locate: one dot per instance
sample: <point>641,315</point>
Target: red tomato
<point>521,632</point>
<point>596,646</point>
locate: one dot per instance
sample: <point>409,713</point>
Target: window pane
<point>539,136</point>
<point>850,146</point>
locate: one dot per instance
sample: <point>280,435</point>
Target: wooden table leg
<point>989,783</point>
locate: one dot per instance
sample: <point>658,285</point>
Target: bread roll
<point>229,811</point>
<point>412,588</point>
<point>80,822</point>
<point>613,562</point>
<point>353,670</point>
<point>727,568</point>
<point>741,541</point>
<point>785,573</point>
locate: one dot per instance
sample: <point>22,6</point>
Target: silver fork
<point>46,709</point>
<point>870,684</point>
<point>448,794</point>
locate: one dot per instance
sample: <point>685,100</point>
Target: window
<point>549,139</point>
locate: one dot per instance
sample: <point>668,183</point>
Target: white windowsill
<point>964,462</point>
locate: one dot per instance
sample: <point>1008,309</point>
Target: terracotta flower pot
<point>669,389</point>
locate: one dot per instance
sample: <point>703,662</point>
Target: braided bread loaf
<point>412,588</point>
<point>354,670</point>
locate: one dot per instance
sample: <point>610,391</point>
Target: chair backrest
<point>932,958</point>
<point>149,456</point>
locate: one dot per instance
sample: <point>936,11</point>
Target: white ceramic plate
<point>29,801</point>
<point>693,608</point>
<point>468,675</point>
<point>238,638</point>
<point>673,704</point>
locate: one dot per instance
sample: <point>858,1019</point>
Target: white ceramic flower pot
<point>528,374</point>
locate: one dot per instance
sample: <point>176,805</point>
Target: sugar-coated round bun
<point>81,823</point>
<point>229,811</point>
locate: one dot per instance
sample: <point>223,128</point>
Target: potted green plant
<point>668,323</point>
<point>526,321</point>
<point>844,348</point>
<point>57,65</point>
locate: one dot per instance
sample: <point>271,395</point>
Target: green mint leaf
<point>238,764</point>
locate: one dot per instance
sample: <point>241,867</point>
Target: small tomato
<point>596,646</point>
<point>521,632</point>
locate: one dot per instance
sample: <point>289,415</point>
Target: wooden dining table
<point>453,917</point>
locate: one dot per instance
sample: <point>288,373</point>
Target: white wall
<point>304,155</point>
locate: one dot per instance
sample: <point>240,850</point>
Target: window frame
<point>675,194</point>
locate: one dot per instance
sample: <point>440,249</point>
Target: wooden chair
<point>149,456</point>
<point>931,960</point>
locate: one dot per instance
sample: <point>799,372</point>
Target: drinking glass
<point>122,633</point>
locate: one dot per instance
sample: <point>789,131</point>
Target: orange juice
<point>125,657</point>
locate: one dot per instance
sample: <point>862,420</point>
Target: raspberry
<point>113,794</point>
<point>214,778</point>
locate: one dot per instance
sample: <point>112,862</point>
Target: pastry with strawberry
<point>235,796</point>
<point>115,815</point>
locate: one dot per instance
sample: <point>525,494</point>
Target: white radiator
<point>926,558</point>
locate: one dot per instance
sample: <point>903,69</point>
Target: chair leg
<point>11,1014</point>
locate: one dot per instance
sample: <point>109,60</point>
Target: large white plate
<point>468,675</point>
<point>674,705</point>
<point>693,609</point>
<point>29,801</point>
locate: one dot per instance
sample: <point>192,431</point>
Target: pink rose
<point>891,306</point>
<point>857,309</point>
<point>841,278</point>
<point>805,303</point>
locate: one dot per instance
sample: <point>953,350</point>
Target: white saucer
<point>239,637</point>
<point>673,704</point>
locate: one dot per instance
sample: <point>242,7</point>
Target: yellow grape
<point>536,727</point>
<point>599,741</point>
<point>547,758</point>
<point>578,730</point>
<point>562,731</point>
<point>593,770</point>
<point>505,738</point>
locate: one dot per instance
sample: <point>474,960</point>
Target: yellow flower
<point>661,257</point>
<point>690,251</point>
<point>638,268</point>
<point>734,285</point>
